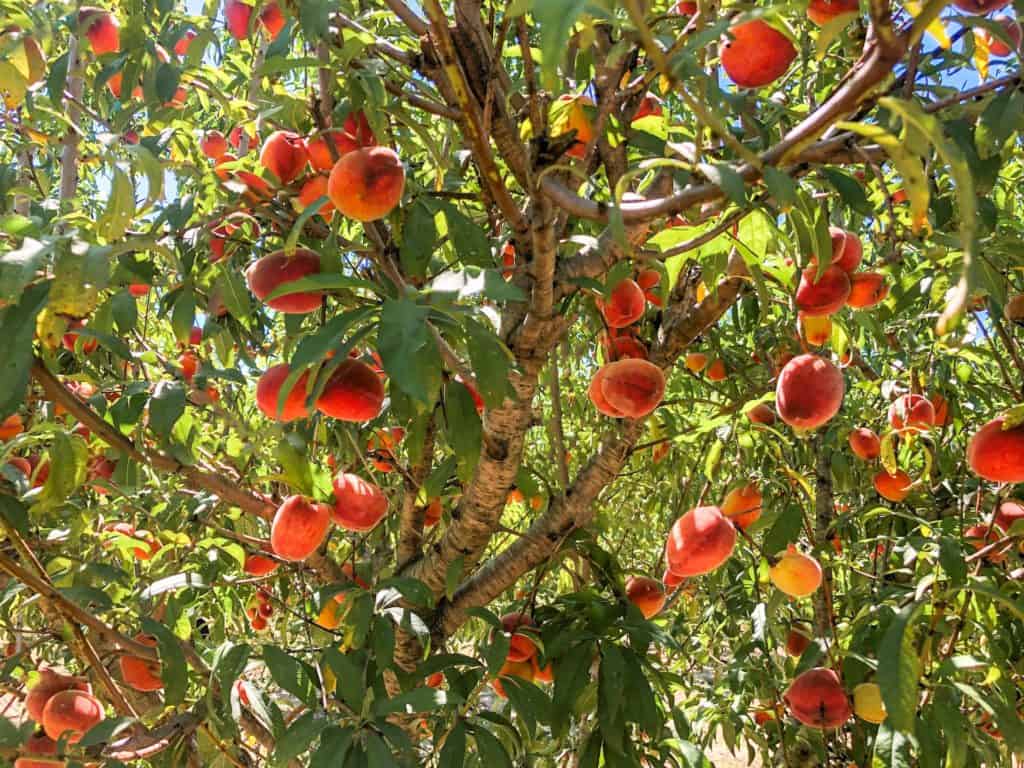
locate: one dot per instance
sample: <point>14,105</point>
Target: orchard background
<point>548,383</point>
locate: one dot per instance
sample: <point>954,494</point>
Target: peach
<point>761,414</point>
<point>911,413</point>
<point>796,574</point>
<point>102,29</point>
<point>269,273</point>
<point>696,361</point>
<point>809,392</point>
<point>797,641</point>
<point>353,393</point>
<point>699,542</point>
<point>39,751</point>
<point>521,646</point>
<point>823,11</point>
<point>626,346</point>
<point>213,145</point>
<point>141,674</point>
<point>366,184</point>
<point>742,505</point>
<point>651,106</point>
<point>625,304</point>
<point>648,280</point>
<point>70,714</point>
<point>138,290</point>
<point>183,43</point>
<point>299,528</point>
<point>435,680</point>
<point>569,113</point>
<point>755,54</point>
<point>817,699</point>
<point>237,16</point>
<point>521,669</point>
<point>99,468</point>
<point>284,155</point>
<point>508,260</point>
<point>865,444</point>
<point>685,8</point>
<point>268,391</point>
<point>11,427</point>
<point>359,505</point>
<point>893,487</point>
<point>941,407</point>
<point>541,674</point>
<point>70,338</point>
<point>867,289</point>
<point>355,134</point>
<point>236,135</point>
<point>717,371</point>
<point>980,536</point>
<point>647,594</point>
<point>1010,511</point>
<point>996,453</point>
<point>50,682</point>
<point>980,6</point>
<point>822,295</point>
<point>189,364</point>
<point>272,19</point>
<point>312,190</point>
<point>671,580</point>
<point>259,565</point>
<point>847,250</point>
<point>432,514</point>
<point>816,330</point>
<point>632,387</point>
<point>996,46</point>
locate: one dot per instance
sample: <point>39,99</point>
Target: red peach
<point>865,444</point>
<point>70,714</point>
<point>823,11</point>
<point>911,413</point>
<point>352,393</point>
<point>1010,511</point>
<point>102,29</point>
<point>366,184</point>
<point>867,289</point>
<point>213,145</point>
<point>997,454</point>
<point>646,594</point>
<point>809,392</point>
<point>268,390</point>
<point>742,505</point>
<point>141,674</point>
<point>359,505</point>
<point>826,296</point>
<point>756,54</point>
<point>625,305</point>
<point>269,273</point>
<point>817,699</point>
<point>299,528</point>
<point>259,565</point>
<point>633,387</point>
<point>284,155</point>
<point>893,487</point>
<point>699,542</point>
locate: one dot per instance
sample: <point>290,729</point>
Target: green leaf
<point>14,514</point>
<point>166,406</point>
<point>167,79</point>
<point>18,329</point>
<point>463,428</point>
<point>899,670</point>
<point>491,362</point>
<point>492,752</point>
<point>892,748</point>
<point>416,700</point>
<point>335,743</point>
<point>781,187</point>
<point>228,664</point>
<point>295,465</point>
<point>727,179</point>
<point>849,189</point>
<point>408,350</point>
<point>183,315</point>
<point>173,667</point>
<point>68,457</point>
<point>419,237</point>
<point>349,675</point>
<point>120,209</point>
<point>105,731</point>
<point>453,751</point>
<point>291,674</point>
<point>18,267</point>
<point>555,18</point>
<point>328,281</point>
<point>300,736</point>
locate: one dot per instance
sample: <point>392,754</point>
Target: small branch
<point>415,24</point>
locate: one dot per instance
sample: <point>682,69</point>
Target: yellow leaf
<point>981,55</point>
<point>936,29</point>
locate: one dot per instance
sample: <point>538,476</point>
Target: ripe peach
<point>755,54</point>
<point>1014,309</point>
<point>189,364</point>
<point>596,394</point>
<point>1010,511</point>
<point>71,713</point>
<point>284,155</point>
<point>569,113</point>
<point>997,454</point>
<point>359,505</point>
<point>355,134</point>
<point>671,580</point>
<point>911,413</point>
<point>139,673</point>
<point>817,699</point>
<point>522,669</point>
<point>796,574</point>
<point>685,8</point>
<point>101,28</point>
<point>633,387</point>
<point>625,305</point>
<point>272,19</point>
<point>981,535</point>
<point>541,674</point>
<point>353,393</point>
<point>183,43</point>
<point>625,346</point>
<point>12,426</point>
<point>823,11</point>
<point>269,273</point>
<point>980,6</point>
<point>996,46</point>
<point>138,290</point>
<point>941,406</point>
<point>259,565</point>
<point>647,594</point>
<point>809,392</point>
<point>696,361</point>
<point>70,338</point>
<point>826,296</point>
<point>742,505</point>
<point>865,444</point>
<point>236,135</point>
<point>50,683</point>
<point>847,250</point>
<point>268,390</point>
<point>99,468</point>
<point>699,542</point>
<point>797,641</point>
<point>237,16</point>
<point>650,106</point>
<point>432,514</point>
<point>893,487</point>
<point>367,184</point>
<point>816,330</point>
<point>867,289</point>
<point>717,371</point>
<point>508,260</point>
<point>39,751</point>
<point>761,414</point>
<point>299,528</point>
<point>648,280</point>
<point>312,190</point>
<point>521,646</point>
<point>213,145</point>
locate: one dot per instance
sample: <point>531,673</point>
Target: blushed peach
<point>796,574</point>
<point>50,683</point>
<point>865,444</point>
<point>809,392</point>
<point>816,330</point>
<point>822,295</point>
<point>633,387</point>
<point>359,505</point>
<point>102,29</point>
<point>355,134</point>
<point>797,641</point>
<point>432,514</point>
<point>823,11</point>
<point>569,113</point>
<point>521,646</point>
<point>266,275</point>
<point>648,280</point>
<point>284,155</point>
<point>299,528</point>
<point>893,487</point>
<point>625,304</point>
<point>817,699</point>
<point>700,541</point>
<point>11,427</point>
<point>237,17</point>
<point>696,361</point>
<point>271,19</point>
<point>761,414</point>
<point>366,184</point>
<point>911,413</point>
<point>647,594</point>
<point>213,145</point>
<point>141,674</point>
<point>268,391</point>
<point>941,406</point>
<point>70,714</point>
<point>312,190</point>
<point>352,393</point>
<point>1010,511</point>
<point>257,564</point>
<point>182,45</point>
<point>847,249</point>
<point>756,54</point>
<point>997,454</point>
<point>867,289</point>
<point>651,106</point>
<point>981,535</point>
<point>521,669</point>
<point>742,505</point>
<point>717,370</point>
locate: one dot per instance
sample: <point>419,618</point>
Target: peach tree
<point>546,382</point>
